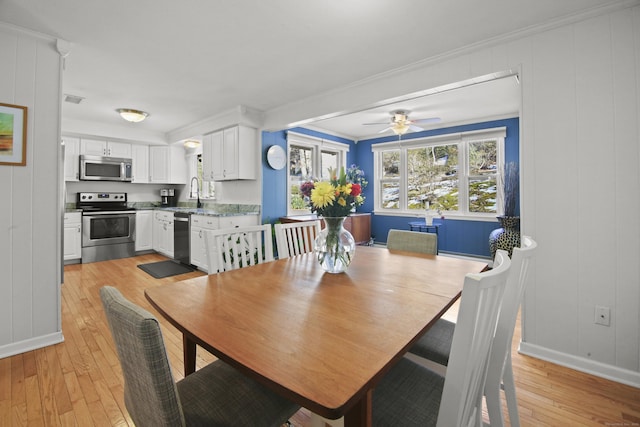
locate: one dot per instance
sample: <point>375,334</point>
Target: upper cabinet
<point>140,163</point>
<point>167,164</point>
<point>230,154</point>
<point>71,160</point>
<point>98,147</point>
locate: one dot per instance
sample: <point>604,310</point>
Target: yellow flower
<point>344,189</point>
<point>323,194</point>
<point>342,201</point>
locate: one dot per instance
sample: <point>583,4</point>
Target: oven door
<point>108,228</point>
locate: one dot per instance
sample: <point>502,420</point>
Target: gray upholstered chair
<point>412,395</point>
<point>216,395</point>
<point>435,345</point>
<point>412,241</point>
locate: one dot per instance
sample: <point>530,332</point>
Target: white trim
<point>599,369</point>
<point>31,344</point>
<point>314,141</point>
<point>491,133</point>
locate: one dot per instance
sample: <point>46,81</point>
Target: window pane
<point>483,157</point>
<point>391,164</point>
<point>482,194</point>
<point>432,177</point>
<point>328,160</point>
<point>300,170</point>
<point>301,162</point>
<point>390,195</point>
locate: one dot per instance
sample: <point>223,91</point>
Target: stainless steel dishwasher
<point>181,247</point>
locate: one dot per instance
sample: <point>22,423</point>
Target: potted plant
<point>508,236</point>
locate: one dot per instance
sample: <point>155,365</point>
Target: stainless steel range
<point>108,226</point>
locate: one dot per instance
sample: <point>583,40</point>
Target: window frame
<point>463,140</point>
<point>318,146</point>
<point>194,171</point>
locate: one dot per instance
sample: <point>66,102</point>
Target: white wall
<point>579,153</point>
<point>31,214</point>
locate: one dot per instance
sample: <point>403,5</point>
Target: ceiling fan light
<point>400,128</point>
<point>131,115</point>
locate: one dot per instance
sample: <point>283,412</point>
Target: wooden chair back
<point>232,248</point>
<point>296,238</point>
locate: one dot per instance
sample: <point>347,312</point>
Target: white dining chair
<point>296,238</point>
<point>411,394</point>
<point>435,344</point>
<point>232,248</point>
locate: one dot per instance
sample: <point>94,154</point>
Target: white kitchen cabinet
<point>140,163</point>
<point>72,237</point>
<point>99,147</point>
<point>163,233</point>
<point>201,223</point>
<point>230,154</point>
<point>71,158</point>
<point>144,230</point>
<point>167,164</point>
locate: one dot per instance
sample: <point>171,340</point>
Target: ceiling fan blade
<point>385,129</point>
<point>380,123</point>
<point>427,120</point>
<point>415,128</point>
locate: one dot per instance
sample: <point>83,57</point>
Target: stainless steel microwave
<point>99,168</point>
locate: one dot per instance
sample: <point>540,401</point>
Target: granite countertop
<point>209,212</point>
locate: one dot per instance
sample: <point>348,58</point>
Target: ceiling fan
<point>401,124</point>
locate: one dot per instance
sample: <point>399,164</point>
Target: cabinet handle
<point>78,229</point>
<point>200,234</point>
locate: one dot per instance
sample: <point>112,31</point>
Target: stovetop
<point>100,202</point>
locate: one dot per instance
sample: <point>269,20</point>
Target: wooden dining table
<point>322,340</point>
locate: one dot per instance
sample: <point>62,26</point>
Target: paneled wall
<point>580,181</point>
<point>31,215</point>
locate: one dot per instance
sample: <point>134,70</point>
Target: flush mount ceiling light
<point>133,116</point>
<point>191,143</point>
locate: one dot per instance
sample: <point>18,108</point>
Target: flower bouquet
<point>333,200</point>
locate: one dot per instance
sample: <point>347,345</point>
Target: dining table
<point>321,340</point>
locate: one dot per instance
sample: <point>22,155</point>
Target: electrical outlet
<point>603,316</point>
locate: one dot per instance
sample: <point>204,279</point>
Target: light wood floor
<point>79,383</point>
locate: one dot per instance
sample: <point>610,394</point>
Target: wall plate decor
<point>13,135</point>
<point>276,157</point>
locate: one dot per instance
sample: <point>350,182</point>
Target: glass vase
<point>334,247</point>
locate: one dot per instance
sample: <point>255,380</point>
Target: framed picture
<point>13,135</point>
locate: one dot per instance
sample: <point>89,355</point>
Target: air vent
<point>74,99</point>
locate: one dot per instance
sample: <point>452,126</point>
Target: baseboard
<point>599,369</point>
<point>30,344</point>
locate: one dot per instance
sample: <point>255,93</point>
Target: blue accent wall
<point>274,183</point>
<point>456,236</point>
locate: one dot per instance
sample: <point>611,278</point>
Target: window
<point>310,159</point>
<point>456,173</point>
<point>207,188</point>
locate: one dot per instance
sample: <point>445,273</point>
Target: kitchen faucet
<point>199,203</point>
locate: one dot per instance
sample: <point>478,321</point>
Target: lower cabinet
<point>201,223</point>
<point>144,230</point>
<point>72,237</point>
<point>163,233</point>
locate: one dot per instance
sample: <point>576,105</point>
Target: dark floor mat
<point>163,269</point>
